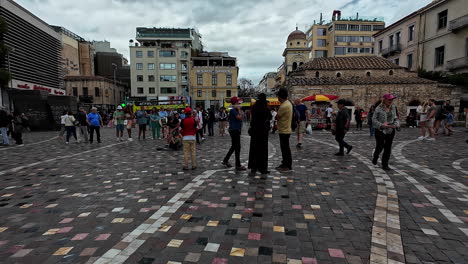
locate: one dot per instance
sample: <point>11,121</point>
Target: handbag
<point>309,129</point>
<point>125,122</point>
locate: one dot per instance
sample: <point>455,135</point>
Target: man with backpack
<point>287,122</point>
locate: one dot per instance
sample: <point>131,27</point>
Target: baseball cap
<point>389,96</point>
<point>235,100</point>
<point>188,110</point>
<point>119,107</point>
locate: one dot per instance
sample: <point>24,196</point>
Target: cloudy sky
<point>254,31</point>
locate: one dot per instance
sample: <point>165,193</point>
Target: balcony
<point>458,23</point>
<point>391,50</point>
<point>86,99</point>
<point>457,63</point>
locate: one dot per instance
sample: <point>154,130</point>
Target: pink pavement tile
<point>254,236</point>
<point>225,198</point>
<point>213,205</point>
<point>335,253</point>
<point>309,260</point>
<point>193,208</point>
<point>219,261</point>
<point>418,205</point>
<point>145,210</point>
<point>65,229</point>
<point>102,237</point>
<point>336,211</point>
<point>248,210</point>
<point>464,219</point>
<point>15,248</point>
<point>80,236</point>
<point>250,199</point>
<point>244,194</point>
<point>88,252</point>
<point>298,207</point>
<point>66,220</point>
<point>3,242</point>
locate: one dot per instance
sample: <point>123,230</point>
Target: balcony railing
<point>457,63</point>
<point>391,50</point>
<point>458,23</point>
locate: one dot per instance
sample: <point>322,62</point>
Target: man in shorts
<point>303,117</point>
<point>119,119</point>
<point>431,114</point>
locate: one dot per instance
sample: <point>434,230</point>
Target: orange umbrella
<point>319,98</point>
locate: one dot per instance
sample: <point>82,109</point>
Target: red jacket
<point>189,127</point>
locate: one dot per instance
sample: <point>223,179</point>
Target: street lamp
<point>10,49</point>
<point>115,87</point>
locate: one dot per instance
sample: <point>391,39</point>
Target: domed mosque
<point>296,52</point>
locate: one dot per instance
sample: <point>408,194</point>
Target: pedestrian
<point>119,120</point>
<point>284,118</point>
<point>200,125</point>
<point>128,122</point>
<point>386,122</point>
<point>222,118</point>
<point>211,121</point>
<point>369,121</point>
<point>189,129</point>
<point>449,121</point>
<point>142,120</point>
<point>341,126</point>
<point>258,131</point>
<point>303,119</point>
<point>235,128</point>
<point>70,122</point>
<point>19,125</point>
<point>62,124</point>
<point>358,117</point>
<point>5,122</point>
<point>173,126</point>
<point>155,124</point>
<point>175,141</point>
<point>431,115</point>
<point>422,112</point>
<point>328,115</point>
<point>440,117</point>
<point>82,123</point>
<point>273,124</point>
<point>205,118</point>
<point>95,123</point>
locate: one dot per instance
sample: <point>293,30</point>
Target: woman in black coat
<point>259,128</point>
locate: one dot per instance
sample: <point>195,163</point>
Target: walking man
<point>303,117</point>
<point>431,116</point>
<point>5,122</point>
<point>235,128</point>
<point>82,125</point>
<point>189,129</point>
<point>222,118</point>
<point>284,117</point>
<point>119,119</point>
<point>95,123</point>
<point>341,127</point>
<point>328,113</point>
<point>200,125</point>
<point>358,117</point>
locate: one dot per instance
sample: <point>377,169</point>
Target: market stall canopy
<point>271,101</point>
<point>320,98</point>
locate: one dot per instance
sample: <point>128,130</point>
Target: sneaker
<point>284,170</point>
<point>386,168</point>
<point>374,161</point>
<point>21,145</point>
<point>421,138</point>
<point>66,142</point>
<point>202,138</point>
<point>227,164</point>
<point>430,139</point>
<point>349,149</point>
<point>130,139</point>
<point>339,154</point>
<point>241,168</point>
<point>280,167</point>
<point>194,168</point>
<point>299,145</point>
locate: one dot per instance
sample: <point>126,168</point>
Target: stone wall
<point>360,73</point>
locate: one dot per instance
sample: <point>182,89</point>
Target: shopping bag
<point>110,123</point>
<point>309,129</point>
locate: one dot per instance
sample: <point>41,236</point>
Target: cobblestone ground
<point>128,202</point>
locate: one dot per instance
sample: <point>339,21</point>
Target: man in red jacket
<point>189,130</point>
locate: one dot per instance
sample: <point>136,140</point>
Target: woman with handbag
<point>128,122</point>
<point>70,123</point>
<point>258,131</point>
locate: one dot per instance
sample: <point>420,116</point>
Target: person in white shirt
<point>70,122</point>
<point>62,124</point>
<point>328,113</point>
<point>200,125</point>
<point>273,120</point>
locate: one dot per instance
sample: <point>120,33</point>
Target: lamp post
<point>10,49</point>
<point>115,69</point>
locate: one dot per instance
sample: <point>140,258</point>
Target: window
<point>409,61</point>
<point>397,61</point>
<point>167,66</point>
<point>152,90</point>
<point>366,27</point>
<point>214,79</point>
<point>390,40</point>
<point>354,39</point>
<point>184,54</point>
<point>228,79</point>
<point>368,74</point>
<point>390,72</point>
<point>168,90</point>
<point>140,90</point>
<point>352,50</point>
<point>199,79</point>
<point>85,91</point>
<point>341,39</point>
<point>380,45</point>
<point>439,56</point>
<point>410,33</point>
<point>338,74</point>
<point>321,32</point>
<point>321,42</point>
<point>139,54</point>
<point>364,50</point>
<point>167,78</point>
<point>228,93</point>
<point>199,93</point>
<point>353,27</point>
<point>378,27</point>
<point>317,74</point>
<point>294,66</point>
<point>151,78</point>
<point>167,53</point>
<point>298,43</point>
<point>213,93</point>
<point>150,54</point>
<point>183,67</point>
<point>320,54</point>
<point>139,66</point>
<point>340,51</point>
<point>150,66</point>
<point>366,39</point>
<point>398,37</point>
<point>184,78</point>
<point>75,91</point>
<point>139,78</point>
<point>341,27</point>
<point>442,19</point>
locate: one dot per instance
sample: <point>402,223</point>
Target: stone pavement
<point>127,202</point>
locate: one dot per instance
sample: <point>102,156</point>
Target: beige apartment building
<point>433,38</point>
<point>160,60</point>
<point>343,36</point>
<point>267,84</point>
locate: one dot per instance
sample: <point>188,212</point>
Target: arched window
<point>317,74</point>
<point>300,63</point>
<point>290,43</point>
<point>368,74</point>
<point>338,74</point>
<point>228,93</point>
<point>298,43</point>
<point>294,66</point>
<point>390,72</point>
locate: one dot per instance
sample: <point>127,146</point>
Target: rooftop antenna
<point>321,20</point>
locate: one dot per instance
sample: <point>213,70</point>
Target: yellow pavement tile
<point>212,223</point>
<point>312,184</point>
<point>51,206</point>
<point>7,195</point>
<point>164,228</point>
<point>309,216</point>
<point>26,206</point>
<point>465,211</point>
<point>186,216</point>
<point>84,214</point>
<point>175,243</point>
<point>237,252</point>
<point>3,229</point>
<point>52,231</point>
<point>278,229</point>
<point>268,195</point>
<point>315,206</point>
<point>325,193</point>
<point>62,251</point>
<point>430,219</point>
<point>237,216</point>
<point>118,220</point>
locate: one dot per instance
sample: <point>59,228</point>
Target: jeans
<point>199,134</point>
<point>189,149</point>
<point>6,140</point>
<point>70,130</point>
<point>285,151</point>
<point>371,129</point>
<point>359,124</point>
<point>383,142</point>
<point>155,130</point>
<point>210,128</point>
<point>18,137</point>
<point>339,137</point>
<point>235,146</point>
<point>83,132</point>
<point>91,133</point>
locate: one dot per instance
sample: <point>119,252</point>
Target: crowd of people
<point>13,124</point>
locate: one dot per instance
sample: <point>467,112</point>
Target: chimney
<point>320,19</point>
<point>336,15</point>
<point>357,16</point>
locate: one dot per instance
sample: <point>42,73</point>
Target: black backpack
<point>295,117</point>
